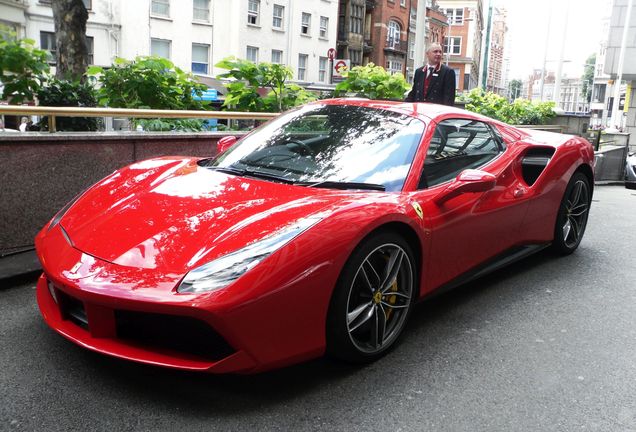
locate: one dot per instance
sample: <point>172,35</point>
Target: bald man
<point>434,82</point>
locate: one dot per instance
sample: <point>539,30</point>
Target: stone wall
<point>40,172</point>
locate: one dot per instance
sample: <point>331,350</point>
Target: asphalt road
<point>548,344</point>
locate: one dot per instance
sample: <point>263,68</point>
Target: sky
<point>528,31</point>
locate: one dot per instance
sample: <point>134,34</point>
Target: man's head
<point>434,54</point>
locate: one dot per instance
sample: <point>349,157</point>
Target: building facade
<point>464,39</point>
<point>496,80</point>
<point>195,34</point>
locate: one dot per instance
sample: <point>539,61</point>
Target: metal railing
<point>53,112</point>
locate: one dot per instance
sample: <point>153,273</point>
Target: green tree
<point>23,68</point>
<point>521,111</point>
<point>64,93</point>
<point>588,76</point>
<point>70,18</point>
<point>514,89</point>
<point>373,82</point>
<point>150,82</point>
<point>247,80</point>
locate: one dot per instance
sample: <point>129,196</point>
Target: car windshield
<point>327,146</point>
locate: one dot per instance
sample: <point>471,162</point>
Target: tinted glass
<point>457,144</point>
<point>333,143</point>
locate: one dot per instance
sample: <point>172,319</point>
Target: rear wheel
<point>573,214</point>
<point>372,299</point>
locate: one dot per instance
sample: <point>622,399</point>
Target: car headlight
<point>223,271</point>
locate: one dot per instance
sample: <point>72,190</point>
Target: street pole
<point>556,95</point>
<point>615,122</point>
<point>545,55</point>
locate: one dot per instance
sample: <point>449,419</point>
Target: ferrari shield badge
<point>418,209</point>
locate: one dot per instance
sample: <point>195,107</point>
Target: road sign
<point>331,54</point>
<point>339,65</point>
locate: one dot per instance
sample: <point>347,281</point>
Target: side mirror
<point>468,181</point>
<point>225,143</point>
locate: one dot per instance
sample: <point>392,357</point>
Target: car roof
<point>424,110</point>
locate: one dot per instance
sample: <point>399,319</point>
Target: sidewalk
<point>19,266</point>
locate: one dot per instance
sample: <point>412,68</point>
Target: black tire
<point>372,299</point>
<point>573,214</point>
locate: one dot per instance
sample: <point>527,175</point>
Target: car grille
<point>168,334</point>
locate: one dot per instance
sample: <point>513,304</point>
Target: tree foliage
<point>150,82</point>
<point>63,93</point>
<point>247,80</point>
<point>515,87</point>
<point>373,82</point>
<point>23,68</point>
<point>588,76</point>
<point>521,111</point>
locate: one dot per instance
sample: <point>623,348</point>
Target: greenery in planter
<point>23,68</point>
<point>521,111</point>
<point>150,82</point>
<point>373,82</point>
<point>62,93</point>
<point>249,78</point>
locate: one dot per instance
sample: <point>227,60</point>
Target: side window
<point>458,144</point>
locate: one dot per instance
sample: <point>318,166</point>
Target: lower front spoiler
<point>110,344</point>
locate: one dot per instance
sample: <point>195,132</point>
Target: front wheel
<point>573,214</point>
<point>372,299</point>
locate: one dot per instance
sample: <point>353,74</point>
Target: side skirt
<point>502,260</point>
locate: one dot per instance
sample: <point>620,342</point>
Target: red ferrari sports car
<point>315,233</point>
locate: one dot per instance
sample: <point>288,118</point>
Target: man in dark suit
<point>434,82</point>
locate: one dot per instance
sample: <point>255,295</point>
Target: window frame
<point>322,72</point>
<point>255,50</point>
<point>281,17</point>
<point>453,17</point>
<point>500,146</point>
<point>207,64</point>
<point>162,40</point>
<point>195,9</point>
<point>458,46</point>
<point>305,57</point>
<point>52,50</point>
<point>253,14</point>
<point>305,27</point>
<point>165,3</point>
<point>281,56</point>
<point>324,29</point>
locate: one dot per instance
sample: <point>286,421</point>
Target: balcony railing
<point>395,44</point>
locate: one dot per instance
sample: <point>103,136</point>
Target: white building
<point>195,34</point>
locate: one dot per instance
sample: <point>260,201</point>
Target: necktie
<point>427,80</point>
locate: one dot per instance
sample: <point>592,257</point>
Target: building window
<point>201,10</point>
<point>403,3</point>
<point>322,69</point>
<point>200,58</point>
<point>411,49</point>
<point>90,49</point>
<point>355,56</point>
<point>305,25</point>
<point>47,42</point>
<point>394,66</point>
<point>252,54</point>
<point>453,45</point>
<point>455,16</point>
<point>278,17</point>
<point>277,56</point>
<point>356,19</point>
<point>160,7</point>
<point>393,31</point>
<point>160,48</point>
<point>302,66</point>
<point>324,26</point>
<point>253,7</point>
<point>457,76</point>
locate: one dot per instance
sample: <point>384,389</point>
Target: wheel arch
<point>589,173</point>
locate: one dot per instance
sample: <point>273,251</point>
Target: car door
<point>470,228</point>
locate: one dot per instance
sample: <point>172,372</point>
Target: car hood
<point>174,215</point>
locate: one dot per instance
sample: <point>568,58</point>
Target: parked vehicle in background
<point>630,171</point>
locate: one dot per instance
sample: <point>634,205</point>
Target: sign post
<point>331,54</point>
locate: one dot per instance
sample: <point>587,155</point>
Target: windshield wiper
<point>342,185</point>
<point>244,172</point>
